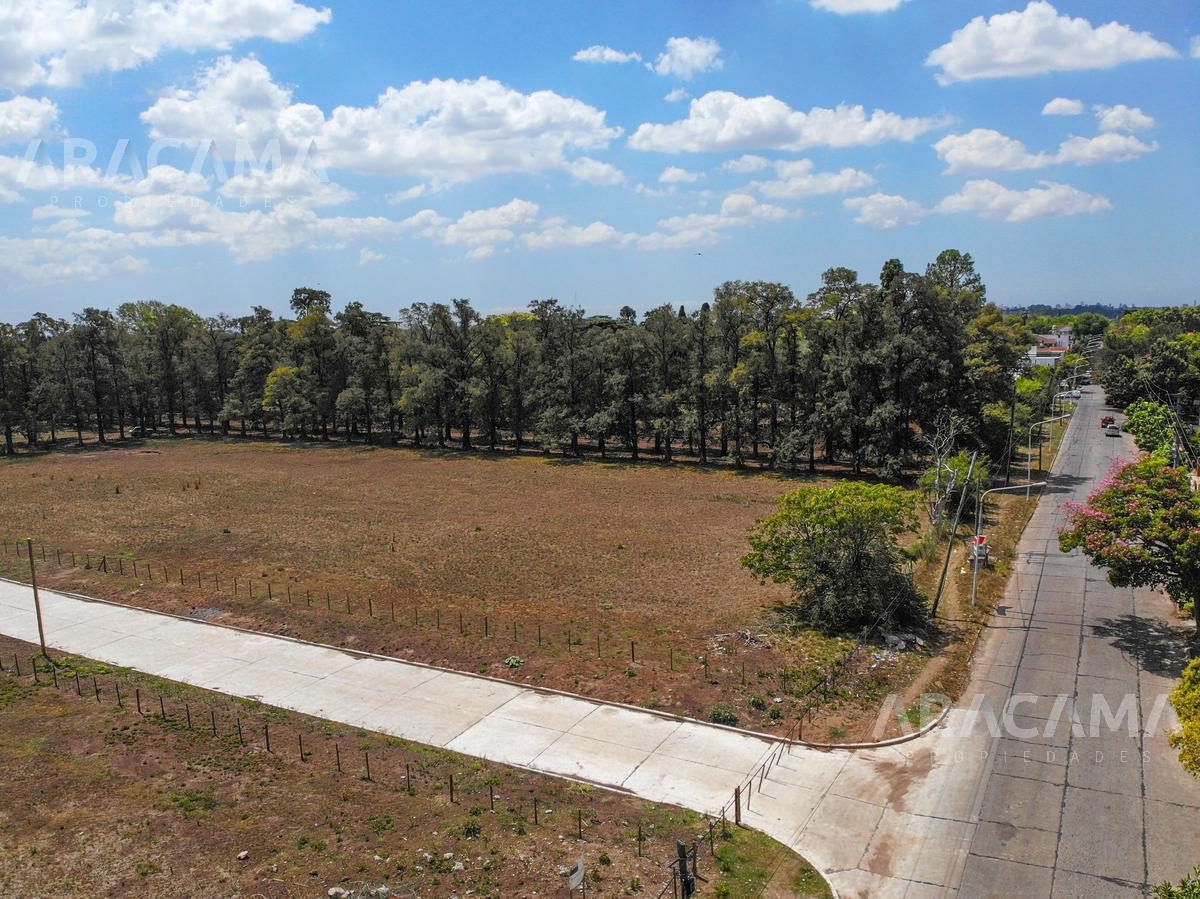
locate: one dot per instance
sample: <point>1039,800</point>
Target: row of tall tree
<point>856,372</point>
<point>1151,366</point>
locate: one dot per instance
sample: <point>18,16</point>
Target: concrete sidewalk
<point>852,814</point>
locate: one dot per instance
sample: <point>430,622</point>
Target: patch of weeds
<point>12,689</point>
<point>758,703</point>
<point>381,824</point>
<point>722,713</point>
<point>194,802</point>
<point>514,662</point>
<point>471,830</point>
<point>809,883</point>
<point>123,734</point>
<point>145,869</point>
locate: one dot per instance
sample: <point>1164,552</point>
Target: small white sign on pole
<point>575,875</point>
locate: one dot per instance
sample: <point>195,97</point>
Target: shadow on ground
<point>1157,646</point>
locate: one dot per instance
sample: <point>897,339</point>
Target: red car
<point>1107,420</point>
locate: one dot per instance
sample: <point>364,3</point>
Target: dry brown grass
<point>647,554</point>
<point>101,800</point>
<point>510,534</point>
<point>617,553</point>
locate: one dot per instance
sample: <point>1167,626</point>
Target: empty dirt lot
<point>615,580</point>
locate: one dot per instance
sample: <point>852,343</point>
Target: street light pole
<point>979,530</point>
<point>37,603</point>
<point>1029,448</point>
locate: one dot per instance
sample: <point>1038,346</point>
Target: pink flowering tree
<point>1143,525</point>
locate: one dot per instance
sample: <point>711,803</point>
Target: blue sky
<point>606,154</point>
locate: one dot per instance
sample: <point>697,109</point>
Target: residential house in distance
<point>1050,348</point>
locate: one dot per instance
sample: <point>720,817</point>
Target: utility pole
<point>962,501</point>
<point>979,530</point>
<point>1012,422</point>
<point>37,602</point>
<point>1029,448</point>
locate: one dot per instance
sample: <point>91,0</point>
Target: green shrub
<point>514,662</point>
<point>723,714</point>
<point>1188,888</point>
<point>1186,700</point>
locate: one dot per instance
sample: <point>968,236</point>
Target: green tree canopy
<point>1152,426</point>
<point>1143,525</point>
<point>837,548</point>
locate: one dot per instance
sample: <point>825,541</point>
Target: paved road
<point>959,806</point>
<point>1081,810</point>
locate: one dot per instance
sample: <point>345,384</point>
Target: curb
<point>551,691</point>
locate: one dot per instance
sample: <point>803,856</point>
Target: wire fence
<point>733,664</point>
<point>241,729</point>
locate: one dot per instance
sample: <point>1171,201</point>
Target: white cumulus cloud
<point>673,174</point>
<point>286,184</point>
<point>23,118</point>
<point>1036,40</point>
<point>482,230</point>
<point>60,42</point>
<point>367,256</point>
<point>984,198</point>
<point>557,233</point>
<point>723,121</point>
<point>686,57</point>
<point>677,95</point>
<point>852,7</point>
<point>409,193</point>
<point>253,235</point>
<point>994,201</point>
<point>593,171</point>
<point>1122,118</point>
<point>54,211</point>
<point>598,53</point>
<point>796,179</point>
<point>745,163</point>
<point>446,131</point>
<point>1102,148</point>
<point>983,149</point>
<point>1063,106</point>
<point>885,211</point>
<point>738,210</point>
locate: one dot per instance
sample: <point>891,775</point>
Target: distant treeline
<point>1112,313</point>
<point>856,373</point>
